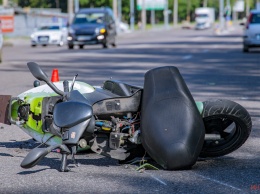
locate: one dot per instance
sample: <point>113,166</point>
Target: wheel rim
<point>227,128</point>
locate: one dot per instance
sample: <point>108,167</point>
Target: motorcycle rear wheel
<point>228,119</point>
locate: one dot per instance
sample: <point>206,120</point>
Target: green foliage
<point>185,7</point>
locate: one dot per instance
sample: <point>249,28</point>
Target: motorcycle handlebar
<point>66,86</point>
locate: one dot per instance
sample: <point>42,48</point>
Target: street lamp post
<point>143,15</point>
<point>5,3</point>
<point>132,14</point>
<point>76,7</point>
<point>221,14</point>
<point>175,13</point>
<point>166,14</point>
<point>70,10</point>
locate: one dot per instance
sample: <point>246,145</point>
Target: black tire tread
<point>231,110</point>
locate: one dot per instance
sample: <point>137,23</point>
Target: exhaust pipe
<point>209,137</point>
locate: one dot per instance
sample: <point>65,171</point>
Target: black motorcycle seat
<point>171,126</point>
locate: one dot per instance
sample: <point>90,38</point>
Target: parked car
<point>49,34</point>
<point>252,31</point>
<point>92,26</point>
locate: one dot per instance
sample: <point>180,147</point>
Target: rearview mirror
<point>36,155</point>
<point>41,75</point>
<point>37,71</point>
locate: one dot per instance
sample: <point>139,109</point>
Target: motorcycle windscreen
<point>171,126</point>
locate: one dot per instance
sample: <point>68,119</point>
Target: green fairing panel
<point>200,106</point>
<point>36,110</point>
<point>14,110</point>
<point>34,98</point>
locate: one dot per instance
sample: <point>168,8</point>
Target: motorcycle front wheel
<point>229,120</point>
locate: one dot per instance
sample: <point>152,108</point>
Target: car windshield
<point>49,28</point>
<point>202,15</point>
<point>255,19</point>
<point>89,18</point>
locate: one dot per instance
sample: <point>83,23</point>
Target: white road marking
<point>197,38</point>
<point>187,57</point>
<point>219,182</point>
<point>155,178</point>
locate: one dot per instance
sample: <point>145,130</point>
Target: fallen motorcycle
<point>123,121</point>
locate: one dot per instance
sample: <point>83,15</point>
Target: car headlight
<point>97,30</point>
<point>33,36</point>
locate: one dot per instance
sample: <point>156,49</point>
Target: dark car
<point>92,26</point>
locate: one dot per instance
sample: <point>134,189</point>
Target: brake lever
<point>73,82</point>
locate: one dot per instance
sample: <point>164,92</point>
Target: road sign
<point>7,19</point>
<point>7,23</point>
<point>151,4</point>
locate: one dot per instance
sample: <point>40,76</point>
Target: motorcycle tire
<point>228,119</point>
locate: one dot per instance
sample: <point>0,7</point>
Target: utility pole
<point>132,14</point>
<point>175,13</point>
<point>166,14</point>
<point>5,3</point>
<point>221,14</point>
<point>76,7</point>
<point>247,7</point>
<point>119,11</point>
<point>188,11</point>
<point>70,10</point>
<point>57,3</point>
<point>115,13</point>
<point>115,8</point>
<point>257,6</point>
<point>205,3</point>
<point>143,15</point>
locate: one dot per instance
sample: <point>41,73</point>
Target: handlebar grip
<point>66,86</point>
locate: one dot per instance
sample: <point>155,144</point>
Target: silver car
<point>49,34</point>
<point>252,31</point>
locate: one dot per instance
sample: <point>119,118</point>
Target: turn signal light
<point>102,30</point>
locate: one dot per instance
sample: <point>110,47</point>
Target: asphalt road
<point>213,67</point>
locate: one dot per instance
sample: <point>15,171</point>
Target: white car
<point>252,31</point>
<point>51,34</point>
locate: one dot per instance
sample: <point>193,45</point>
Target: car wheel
<point>33,45</point>
<point>104,45</point>
<point>246,49</point>
<point>70,46</point>
<point>61,43</point>
<point>113,44</point>
<point>81,46</point>
<point>44,45</point>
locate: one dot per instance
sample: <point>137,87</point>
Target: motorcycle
<point>123,121</point>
